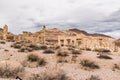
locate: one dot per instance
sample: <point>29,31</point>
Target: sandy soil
<point>73,70</point>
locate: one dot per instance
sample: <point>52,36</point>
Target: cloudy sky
<point>94,16</point>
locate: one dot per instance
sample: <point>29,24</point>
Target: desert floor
<point>72,69</point>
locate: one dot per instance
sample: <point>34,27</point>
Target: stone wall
<point>62,38</point>
<point>87,42</point>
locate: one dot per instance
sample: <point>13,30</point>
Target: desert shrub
<point>103,56</point>
<point>21,50</point>
<point>102,50</point>
<point>74,58</point>
<point>62,61</point>
<point>17,46</point>
<point>10,40</point>
<point>18,43</point>
<point>62,53</point>
<point>88,49</point>
<point>41,62</point>
<point>29,49</point>
<point>57,47</point>
<point>48,51</point>
<point>33,60</point>
<point>35,47</point>
<point>116,66</point>
<point>32,57</point>
<point>89,64</point>
<point>43,47</point>
<point>51,74</point>
<point>94,78</point>
<point>10,69</point>
<point>70,48</point>
<point>2,42</point>
<point>6,50</point>
<point>106,50</point>
<point>76,52</point>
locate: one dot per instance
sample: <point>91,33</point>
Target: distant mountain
<point>88,34</point>
<point>79,31</point>
<point>117,42</point>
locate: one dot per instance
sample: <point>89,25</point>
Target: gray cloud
<point>109,25</point>
<point>90,15</point>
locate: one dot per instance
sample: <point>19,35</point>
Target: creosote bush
<point>32,57</point>
<point>41,62</point>
<point>76,52</point>
<point>116,67</point>
<point>48,51</point>
<point>34,47</point>
<point>70,48</point>
<point>33,60</point>
<point>89,64</point>
<point>57,47</point>
<point>43,47</point>
<point>102,50</point>
<point>6,50</point>
<point>88,49</point>
<point>2,42</point>
<point>103,56</point>
<point>63,53</point>
<point>17,46</point>
<point>94,78</point>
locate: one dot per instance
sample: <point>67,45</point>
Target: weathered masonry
<point>54,36</point>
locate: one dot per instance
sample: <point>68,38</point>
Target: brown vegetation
<point>33,60</point>
<point>103,56</point>
<point>94,78</point>
<point>48,51</point>
<point>102,50</point>
<point>10,69</point>
<point>50,74</point>
<point>89,64</point>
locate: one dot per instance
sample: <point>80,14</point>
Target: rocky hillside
<point>88,34</point>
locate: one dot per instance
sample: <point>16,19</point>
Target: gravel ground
<point>72,70</point>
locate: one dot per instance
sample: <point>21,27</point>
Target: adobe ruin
<point>54,36</point>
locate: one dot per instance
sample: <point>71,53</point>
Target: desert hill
<point>88,34</point>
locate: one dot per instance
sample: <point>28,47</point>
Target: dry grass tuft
<point>33,60</point>
<point>94,78</point>
<point>10,69</point>
<point>76,52</point>
<point>2,42</point>
<point>48,51</point>
<point>103,56</point>
<point>116,67</point>
<point>50,74</point>
<point>102,50</point>
<point>62,55</point>
<point>43,47</point>
<point>32,57</point>
<point>89,64</point>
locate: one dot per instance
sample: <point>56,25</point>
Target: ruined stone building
<point>5,35</point>
<point>87,42</point>
<point>73,37</point>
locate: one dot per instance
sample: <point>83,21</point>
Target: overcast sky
<point>94,16</point>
